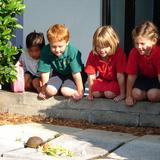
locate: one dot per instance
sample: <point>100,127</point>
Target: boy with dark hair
<point>29,60</point>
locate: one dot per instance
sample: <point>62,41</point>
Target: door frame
<point>129,22</point>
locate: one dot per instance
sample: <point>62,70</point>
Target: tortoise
<point>34,142</point>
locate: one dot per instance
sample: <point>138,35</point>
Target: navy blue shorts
<point>145,83</point>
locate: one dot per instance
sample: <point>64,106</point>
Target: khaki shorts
<point>57,82</point>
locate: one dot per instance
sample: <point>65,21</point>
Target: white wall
<point>82,17</point>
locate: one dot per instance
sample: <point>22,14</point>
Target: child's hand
<point>77,96</point>
<point>38,89</point>
<point>129,101</point>
<point>42,94</point>
<point>90,97</point>
<point>119,98</point>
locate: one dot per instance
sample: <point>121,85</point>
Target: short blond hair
<point>105,36</point>
<point>147,30</point>
<point>58,32</point>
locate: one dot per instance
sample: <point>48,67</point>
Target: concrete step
<point>97,111</point>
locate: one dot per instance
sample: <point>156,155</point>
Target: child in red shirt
<point>143,66</point>
<point>106,66</point>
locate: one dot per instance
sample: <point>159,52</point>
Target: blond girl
<point>106,66</point>
<point>143,66</point>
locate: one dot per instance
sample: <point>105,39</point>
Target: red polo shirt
<point>106,69</point>
<point>147,65</point>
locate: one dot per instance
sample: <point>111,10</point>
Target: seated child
<point>106,66</point>
<point>143,66</point>
<point>29,60</point>
<point>64,60</point>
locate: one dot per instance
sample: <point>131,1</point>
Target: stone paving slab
<point>85,144</point>
<point>92,143</point>
<point>22,132</point>
<point>6,145</point>
<point>13,137</point>
<point>33,154</point>
<point>144,148</point>
<point>102,136</point>
<point>5,158</point>
<point>29,154</point>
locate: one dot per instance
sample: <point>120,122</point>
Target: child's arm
<point>79,84</point>
<point>44,79</point>
<point>18,63</point>
<point>91,78</point>
<point>121,82</point>
<point>22,62</point>
<point>130,82</point>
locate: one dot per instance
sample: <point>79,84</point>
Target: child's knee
<point>138,94</point>
<point>109,94</point>
<point>153,96</point>
<point>28,85</point>
<point>51,90</point>
<point>96,94</point>
<point>36,82</point>
<point>67,92</point>
<point>27,77</point>
<point>64,91</point>
<point>28,81</point>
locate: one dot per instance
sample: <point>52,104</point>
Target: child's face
<point>34,52</point>
<point>59,47</point>
<point>104,52</point>
<point>144,45</point>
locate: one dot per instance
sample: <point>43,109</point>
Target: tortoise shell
<point>34,142</point>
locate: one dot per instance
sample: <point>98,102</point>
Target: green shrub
<point>8,23</point>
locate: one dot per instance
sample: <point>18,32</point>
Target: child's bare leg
<point>28,81</point>
<point>138,94</point>
<point>36,83</point>
<point>53,86</point>
<point>51,90</point>
<point>109,94</point>
<point>153,95</point>
<point>68,88</point>
<point>97,94</point>
<point>68,92</point>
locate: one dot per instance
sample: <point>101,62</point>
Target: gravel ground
<point>6,118</point>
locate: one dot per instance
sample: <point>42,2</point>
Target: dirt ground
<point>6,118</point>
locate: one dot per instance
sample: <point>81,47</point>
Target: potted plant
<point>8,23</point>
